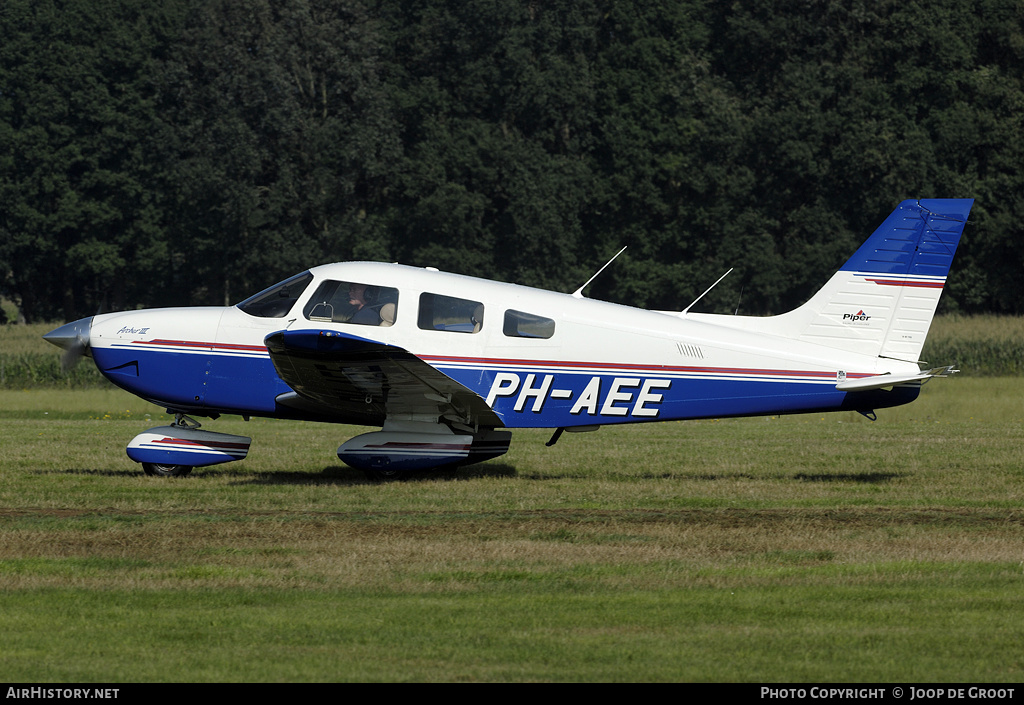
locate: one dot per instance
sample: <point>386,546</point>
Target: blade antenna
<point>682,314</point>
<point>579,292</point>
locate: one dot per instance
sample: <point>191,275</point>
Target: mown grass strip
<point>895,624</point>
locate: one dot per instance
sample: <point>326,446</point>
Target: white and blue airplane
<point>445,364</point>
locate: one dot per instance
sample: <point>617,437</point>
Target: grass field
<point>804,548</point>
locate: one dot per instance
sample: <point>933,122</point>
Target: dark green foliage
<point>81,221</point>
<point>158,153</point>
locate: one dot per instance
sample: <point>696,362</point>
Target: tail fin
<point>882,301</point>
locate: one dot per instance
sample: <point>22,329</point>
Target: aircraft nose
<point>70,336</point>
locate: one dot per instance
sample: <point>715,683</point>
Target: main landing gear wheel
<point>166,470</point>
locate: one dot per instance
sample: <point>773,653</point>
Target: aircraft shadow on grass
<point>334,474</point>
<point>337,475</point>
<point>868,478</point>
<point>93,472</point>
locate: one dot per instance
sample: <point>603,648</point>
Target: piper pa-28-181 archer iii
<point>445,363</point>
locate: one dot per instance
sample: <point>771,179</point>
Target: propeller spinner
<point>74,338</point>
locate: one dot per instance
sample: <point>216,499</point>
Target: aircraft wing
<point>368,381</point>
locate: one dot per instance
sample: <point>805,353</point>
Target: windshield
<point>278,300</point>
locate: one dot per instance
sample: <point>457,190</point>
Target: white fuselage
<point>587,362</point>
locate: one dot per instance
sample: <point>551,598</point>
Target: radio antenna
<point>579,292</point>
<point>682,314</point>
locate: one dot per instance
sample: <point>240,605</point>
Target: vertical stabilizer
<point>882,301</point>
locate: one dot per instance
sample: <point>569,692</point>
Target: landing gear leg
<point>183,421</point>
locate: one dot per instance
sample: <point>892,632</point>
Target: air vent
<point>690,351</point>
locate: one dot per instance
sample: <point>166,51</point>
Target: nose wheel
<point>172,451</point>
<point>163,470</point>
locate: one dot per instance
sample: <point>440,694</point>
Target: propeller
<point>74,339</point>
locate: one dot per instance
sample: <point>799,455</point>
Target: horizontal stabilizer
<point>882,381</point>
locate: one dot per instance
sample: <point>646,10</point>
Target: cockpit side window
<point>278,300</point>
<point>353,302</point>
<point>439,312</point>
<point>519,324</point>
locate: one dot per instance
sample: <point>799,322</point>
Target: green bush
<point>39,371</point>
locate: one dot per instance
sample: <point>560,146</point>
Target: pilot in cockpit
<point>365,314</point>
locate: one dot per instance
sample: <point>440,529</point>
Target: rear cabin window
<point>278,300</point>
<point>353,302</point>
<point>519,324</point>
<point>439,312</point>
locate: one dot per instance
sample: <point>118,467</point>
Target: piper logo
<point>859,317</point>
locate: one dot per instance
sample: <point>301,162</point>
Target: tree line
<point>176,152</point>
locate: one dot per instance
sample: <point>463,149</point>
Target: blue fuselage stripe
<point>544,397</point>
